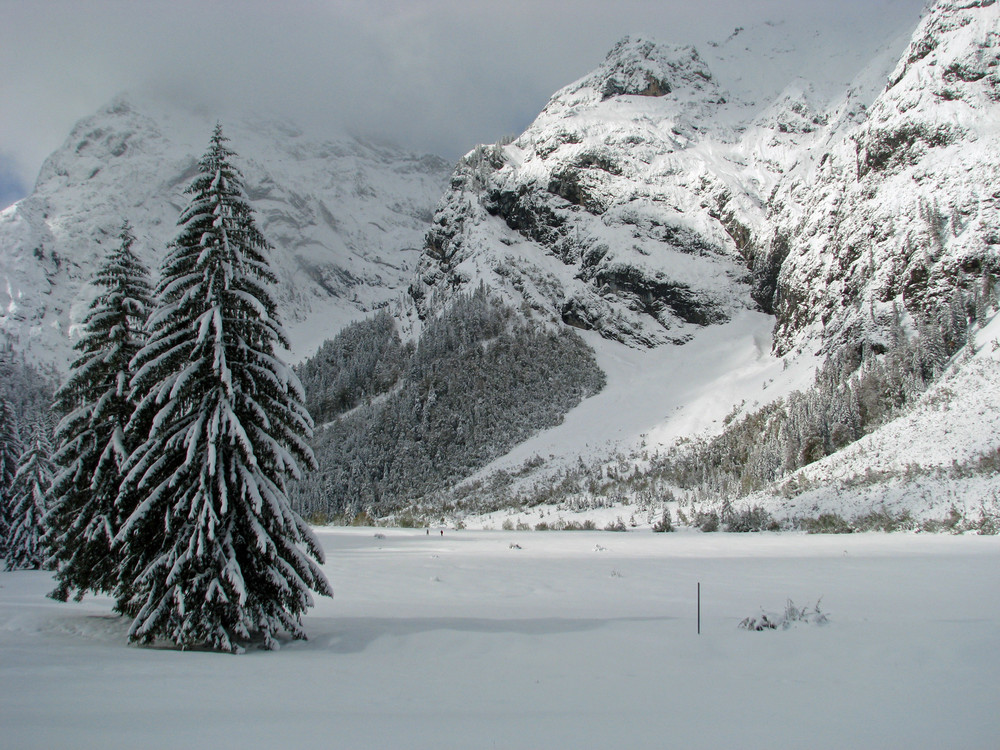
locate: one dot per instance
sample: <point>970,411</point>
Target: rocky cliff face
<point>649,199</point>
<point>346,218</point>
<point>603,213</point>
<point>899,212</point>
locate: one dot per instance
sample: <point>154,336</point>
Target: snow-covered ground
<point>575,639</point>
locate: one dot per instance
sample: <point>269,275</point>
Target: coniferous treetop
<point>112,329</point>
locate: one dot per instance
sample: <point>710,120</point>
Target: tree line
<point>479,380</point>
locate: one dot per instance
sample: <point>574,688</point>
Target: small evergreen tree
<point>91,443</point>
<point>28,497</point>
<point>10,452</point>
<point>213,553</point>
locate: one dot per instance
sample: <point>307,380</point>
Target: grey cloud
<point>432,75</point>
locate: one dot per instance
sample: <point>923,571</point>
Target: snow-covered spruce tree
<point>10,452</point>
<point>24,546</point>
<point>91,444</point>
<point>213,554</point>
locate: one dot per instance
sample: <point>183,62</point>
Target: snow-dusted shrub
<point>664,524</point>
<point>950,523</point>
<point>754,518</point>
<point>707,521</point>
<point>785,620</point>
<point>617,525</point>
<point>409,520</point>
<point>883,520</point>
<point>988,523</point>
<point>318,518</point>
<point>826,523</point>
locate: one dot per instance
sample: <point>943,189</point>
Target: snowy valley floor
<point>577,639</point>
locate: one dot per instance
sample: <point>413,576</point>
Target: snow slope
<point>574,639</point>
<point>925,463</point>
<point>655,397</point>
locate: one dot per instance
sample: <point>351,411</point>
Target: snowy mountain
<point>655,196</point>
<point>602,214</point>
<point>938,458</point>
<point>639,202</point>
<point>346,218</point>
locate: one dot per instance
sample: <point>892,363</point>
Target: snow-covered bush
<point>883,520</point>
<point>754,518</point>
<point>784,620</point>
<point>664,524</point>
<point>707,521</point>
<point>617,525</point>
<point>826,523</point>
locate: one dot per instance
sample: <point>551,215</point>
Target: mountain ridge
<point>346,217</point>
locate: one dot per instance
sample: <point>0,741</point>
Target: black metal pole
<point>699,607</point>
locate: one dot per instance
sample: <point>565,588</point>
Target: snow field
<point>577,639</point>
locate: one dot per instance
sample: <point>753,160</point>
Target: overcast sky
<point>431,75</point>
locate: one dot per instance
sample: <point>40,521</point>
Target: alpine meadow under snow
<point>514,639</point>
<point>509,410</point>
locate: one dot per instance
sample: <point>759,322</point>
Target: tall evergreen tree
<point>10,453</point>
<point>213,554</point>
<point>28,498</point>
<point>91,443</point>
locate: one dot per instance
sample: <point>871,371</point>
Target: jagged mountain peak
<point>643,202</point>
<point>346,217</point>
<point>639,66</point>
<point>674,77</point>
<point>798,109</point>
<point>598,215</point>
<point>951,67</point>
